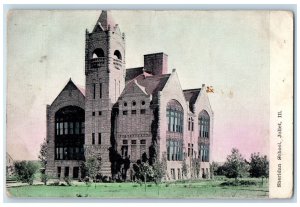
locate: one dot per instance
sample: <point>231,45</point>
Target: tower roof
<point>105,21</point>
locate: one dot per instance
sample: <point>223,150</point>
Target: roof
<point>71,86</point>
<point>154,83</point>
<point>105,20</point>
<point>131,73</point>
<point>191,96</point>
<point>151,83</point>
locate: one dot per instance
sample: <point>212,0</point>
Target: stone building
<point>128,111</point>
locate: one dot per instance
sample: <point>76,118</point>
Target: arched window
<point>69,133</point>
<point>117,55</point>
<point>175,116</point>
<point>98,53</point>
<point>204,124</point>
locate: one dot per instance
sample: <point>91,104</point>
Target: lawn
<point>187,189</point>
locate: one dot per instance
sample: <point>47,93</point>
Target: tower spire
<point>105,21</point>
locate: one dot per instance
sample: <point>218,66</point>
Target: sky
<point>224,49</point>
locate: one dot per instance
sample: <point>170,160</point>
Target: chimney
<point>156,64</point>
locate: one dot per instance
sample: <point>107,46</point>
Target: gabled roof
<point>151,84</point>
<point>191,96</point>
<point>131,73</point>
<point>70,86</point>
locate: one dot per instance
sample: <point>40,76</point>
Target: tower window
<point>100,113</point>
<point>118,55</point>
<point>98,53</point>
<point>133,103</point>
<point>133,111</point>
<point>125,103</point>
<point>94,90</point>
<point>93,138</point>
<point>93,113</point>
<point>143,102</point>
<point>99,138</point>
<point>143,111</point>
<point>100,90</point>
<point>125,112</point>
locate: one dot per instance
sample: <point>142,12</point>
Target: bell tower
<point>105,81</point>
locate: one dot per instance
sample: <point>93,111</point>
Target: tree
<point>214,167</point>
<point>159,170</point>
<point>146,171</point>
<point>25,171</point>
<point>126,167</point>
<point>93,167</point>
<point>235,165</point>
<point>43,153</point>
<point>259,166</point>
<point>196,167</point>
<point>184,168</point>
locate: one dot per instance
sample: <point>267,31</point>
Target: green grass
<point>187,189</point>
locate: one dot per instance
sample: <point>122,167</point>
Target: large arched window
<point>175,116</point>
<point>98,53</point>
<point>204,123</point>
<point>117,55</point>
<point>69,133</point>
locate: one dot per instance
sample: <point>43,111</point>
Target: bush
<point>68,181</point>
<point>44,178</point>
<point>25,171</point>
<point>239,183</point>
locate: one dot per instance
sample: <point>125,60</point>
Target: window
<point>58,172</point>
<point>100,90</point>
<point>143,111</point>
<point>100,113</point>
<point>174,117</point>
<point>75,172</point>
<point>66,171</point>
<point>143,141</point>
<point>173,173</point>
<point>94,90</point>
<point>125,103</point>
<point>68,153</point>
<point>98,53</point>
<point>99,138</point>
<point>125,141</point>
<point>133,141</point>
<point>204,124</point>
<point>71,129</point>
<point>174,150</point>
<point>117,55</point>
<point>143,102</point>
<point>82,127</point>
<point>93,138</point>
<point>77,127</point>
<point>93,113</point>
<point>189,149</point>
<point>133,111</point>
<point>133,103</point>
<point>125,112</point>
<point>204,152</point>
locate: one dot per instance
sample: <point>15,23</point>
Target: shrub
<point>25,171</point>
<point>239,183</point>
<point>56,183</point>
<point>44,178</point>
<point>68,181</point>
